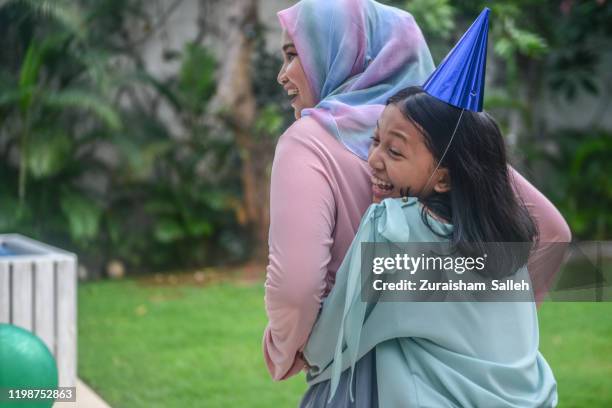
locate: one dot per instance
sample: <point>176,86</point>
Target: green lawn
<point>189,346</point>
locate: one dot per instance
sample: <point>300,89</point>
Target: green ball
<point>25,363</point>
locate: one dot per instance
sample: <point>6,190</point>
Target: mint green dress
<point>427,354</point>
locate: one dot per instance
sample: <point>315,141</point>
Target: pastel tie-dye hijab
<point>356,54</point>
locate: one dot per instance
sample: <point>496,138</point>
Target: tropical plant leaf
<point>83,215</point>
<point>269,120</point>
<point>95,62</point>
<point>159,207</point>
<point>28,74</point>
<point>48,153</point>
<point>81,99</point>
<point>200,228</point>
<point>159,86</point>
<point>9,211</point>
<point>197,76</point>
<point>140,158</point>
<point>168,230</point>
<point>435,17</point>
<point>65,13</point>
<point>10,97</point>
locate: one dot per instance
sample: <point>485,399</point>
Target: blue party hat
<point>459,79</point>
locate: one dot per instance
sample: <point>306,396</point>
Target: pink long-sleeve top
<point>319,192</point>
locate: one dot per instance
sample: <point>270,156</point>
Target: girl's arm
<point>546,260</point>
<point>302,218</point>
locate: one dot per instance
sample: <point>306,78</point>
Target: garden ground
<point>194,340</point>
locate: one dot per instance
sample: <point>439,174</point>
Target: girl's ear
<point>443,181</point>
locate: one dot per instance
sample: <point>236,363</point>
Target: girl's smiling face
<point>400,160</point>
<point>293,78</point>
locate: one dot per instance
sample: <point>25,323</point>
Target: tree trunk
<point>235,101</point>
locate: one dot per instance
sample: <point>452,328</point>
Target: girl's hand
<point>306,365</point>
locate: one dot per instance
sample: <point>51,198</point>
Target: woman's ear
<point>442,181</point>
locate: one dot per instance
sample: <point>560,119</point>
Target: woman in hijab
<point>342,60</point>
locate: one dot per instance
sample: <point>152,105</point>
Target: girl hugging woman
<point>437,173</point>
<point>431,354</point>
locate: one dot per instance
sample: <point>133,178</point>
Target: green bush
<point>578,167</point>
<point>106,179</point>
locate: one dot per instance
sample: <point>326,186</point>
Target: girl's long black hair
<point>481,203</point>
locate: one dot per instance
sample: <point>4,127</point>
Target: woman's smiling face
<point>293,78</point>
<point>400,161</point>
